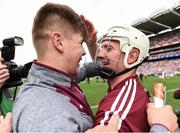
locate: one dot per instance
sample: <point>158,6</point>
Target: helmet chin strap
<point>124,71</point>
<point>108,73</point>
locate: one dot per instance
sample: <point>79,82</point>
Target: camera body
<point>8,54</point>
<point>10,87</point>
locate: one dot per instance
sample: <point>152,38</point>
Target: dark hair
<point>59,15</point>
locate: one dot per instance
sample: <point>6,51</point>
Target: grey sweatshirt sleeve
<point>158,128</point>
<point>88,70</point>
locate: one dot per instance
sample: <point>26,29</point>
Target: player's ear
<point>56,38</point>
<point>133,56</point>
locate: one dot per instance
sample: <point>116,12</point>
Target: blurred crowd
<point>164,60</point>
<point>167,67</point>
<point>165,39</point>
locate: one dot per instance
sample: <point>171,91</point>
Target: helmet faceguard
<point>129,38</point>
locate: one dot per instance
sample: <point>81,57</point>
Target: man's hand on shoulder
<point>5,123</point>
<point>111,127</point>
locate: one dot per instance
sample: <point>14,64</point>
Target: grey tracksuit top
<point>50,102</point>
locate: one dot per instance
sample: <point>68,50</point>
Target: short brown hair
<point>59,16</point>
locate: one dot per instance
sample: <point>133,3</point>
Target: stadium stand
<point>160,20</point>
<point>163,29</point>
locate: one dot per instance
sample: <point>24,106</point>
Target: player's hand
<point>92,32</point>
<point>163,115</point>
<point>4,74</point>
<point>5,123</point>
<point>92,37</point>
<point>111,127</point>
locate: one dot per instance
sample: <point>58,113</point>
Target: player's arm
<point>92,37</point>
<point>88,70</point>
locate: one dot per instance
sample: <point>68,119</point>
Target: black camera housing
<point>8,54</point>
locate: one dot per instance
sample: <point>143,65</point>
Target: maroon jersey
<point>128,99</point>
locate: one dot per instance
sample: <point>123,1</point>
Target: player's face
<point>110,55</point>
<point>74,52</point>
